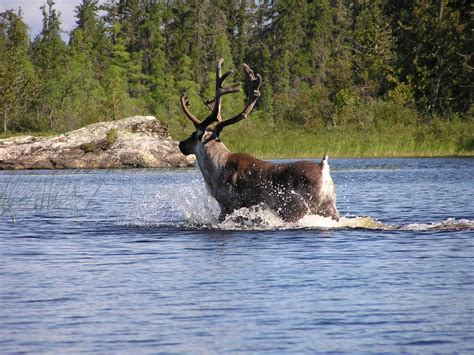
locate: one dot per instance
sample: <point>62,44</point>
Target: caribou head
<point>239,180</point>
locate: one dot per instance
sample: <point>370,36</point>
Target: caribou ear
<point>325,159</point>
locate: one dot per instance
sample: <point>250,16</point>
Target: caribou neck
<point>211,158</point>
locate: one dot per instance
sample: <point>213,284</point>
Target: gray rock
<point>138,142</point>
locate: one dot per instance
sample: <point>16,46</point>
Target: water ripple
<point>135,261</point>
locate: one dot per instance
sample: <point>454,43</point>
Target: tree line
<point>324,63</point>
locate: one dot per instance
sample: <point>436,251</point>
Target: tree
<point>434,47</point>
<point>286,39</point>
<point>373,50</point>
<point>87,63</point>
<point>319,35</point>
<point>323,62</point>
<point>17,81</point>
<point>241,33</point>
<point>49,58</point>
<point>119,68</point>
<point>154,59</point>
<point>89,35</point>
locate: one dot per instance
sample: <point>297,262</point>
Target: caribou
<point>237,180</point>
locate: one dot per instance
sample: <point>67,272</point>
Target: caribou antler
<point>185,105</point>
<point>214,104</point>
<point>220,91</point>
<point>253,83</point>
<point>210,104</point>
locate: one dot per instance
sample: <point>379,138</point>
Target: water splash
<point>174,205</point>
<point>177,204</point>
<point>200,211</point>
<point>260,218</point>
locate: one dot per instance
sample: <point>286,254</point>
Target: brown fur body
<point>239,180</point>
<point>291,190</point>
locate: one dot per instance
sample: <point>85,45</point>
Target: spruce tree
<point>434,50</point>
<point>17,80</point>
<point>89,53</point>
<point>286,39</point>
<point>373,50</point>
<point>49,58</point>
<point>154,60</point>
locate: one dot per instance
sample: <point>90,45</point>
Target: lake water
<point>134,261</point>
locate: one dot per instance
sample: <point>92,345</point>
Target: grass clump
<point>89,147</point>
<point>112,135</point>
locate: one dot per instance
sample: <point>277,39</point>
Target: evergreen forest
<point>359,77</point>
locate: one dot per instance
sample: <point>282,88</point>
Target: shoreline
<point>276,140</point>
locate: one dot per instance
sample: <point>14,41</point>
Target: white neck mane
<point>211,159</point>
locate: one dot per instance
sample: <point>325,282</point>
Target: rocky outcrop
<point>133,142</point>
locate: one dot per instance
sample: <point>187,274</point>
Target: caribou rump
<point>238,180</point>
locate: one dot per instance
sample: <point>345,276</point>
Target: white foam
<point>261,218</point>
<point>191,206</point>
<point>451,224</point>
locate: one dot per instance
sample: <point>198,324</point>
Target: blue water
<point>134,261</point>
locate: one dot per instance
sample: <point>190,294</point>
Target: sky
<point>32,13</point>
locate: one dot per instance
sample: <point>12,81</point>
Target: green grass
<point>112,135</point>
<point>290,140</point>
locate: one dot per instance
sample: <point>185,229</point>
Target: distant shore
<point>292,141</point>
<point>268,140</point>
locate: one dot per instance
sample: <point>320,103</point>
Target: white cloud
<point>32,13</point>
